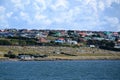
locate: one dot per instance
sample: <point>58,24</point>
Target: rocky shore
<point>67,59</point>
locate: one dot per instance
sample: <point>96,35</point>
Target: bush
<point>5,42</point>
<point>31,42</point>
<point>10,55</point>
<point>75,46</point>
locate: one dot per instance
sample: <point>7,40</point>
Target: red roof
<point>61,39</point>
<point>42,40</point>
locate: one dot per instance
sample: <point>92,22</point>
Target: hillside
<point>66,53</point>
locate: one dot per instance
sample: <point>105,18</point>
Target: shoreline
<point>64,59</point>
<point>58,60</point>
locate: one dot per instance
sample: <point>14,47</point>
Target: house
<point>42,40</point>
<point>33,31</point>
<point>72,33</point>
<point>41,34</point>
<point>60,40</point>
<point>102,34</point>
<point>63,32</point>
<point>117,45</point>
<point>10,30</point>
<point>55,33</point>
<point>72,42</point>
<point>91,46</point>
<point>6,34</point>
<point>115,34</point>
<point>82,34</point>
<point>23,34</point>
<point>87,34</point>
<point>23,30</point>
<point>98,38</point>
<point>107,34</point>
<point>83,39</point>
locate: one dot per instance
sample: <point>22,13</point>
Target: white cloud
<point>60,5</point>
<point>48,22</point>
<point>86,2</point>
<point>36,6</point>
<point>9,14</point>
<point>39,17</point>
<point>41,20</point>
<point>116,1</point>
<point>76,13</point>
<point>25,16</point>
<point>40,5</point>
<point>110,2</point>
<point>101,5</point>
<point>18,4</point>
<point>2,18</point>
<point>93,5</point>
<point>2,9</point>
<point>110,23</point>
<point>112,20</point>
<point>27,2</point>
<point>3,21</point>
<point>16,1</point>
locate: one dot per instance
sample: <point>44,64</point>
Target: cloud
<point>17,4</point>
<point>114,22</point>
<point>101,5</point>
<point>65,14</point>
<point>3,21</point>
<point>27,2</point>
<point>2,9</point>
<point>9,14</point>
<point>39,17</point>
<point>40,5</point>
<point>110,2</point>
<point>60,5</point>
<point>25,16</point>
<point>110,23</point>
<point>20,4</point>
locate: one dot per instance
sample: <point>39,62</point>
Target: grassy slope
<point>82,52</point>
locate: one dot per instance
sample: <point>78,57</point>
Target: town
<point>54,42</point>
<point>58,37</point>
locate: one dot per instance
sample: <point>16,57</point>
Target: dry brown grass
<point>81,52</point>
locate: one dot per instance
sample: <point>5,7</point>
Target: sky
<point>93,15</point>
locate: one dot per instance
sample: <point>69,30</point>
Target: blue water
<point>60,70</point>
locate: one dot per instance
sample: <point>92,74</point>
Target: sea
<point>60,70</point>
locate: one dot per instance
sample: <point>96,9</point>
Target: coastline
<point>59,53</point>
<point>66,59</point>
